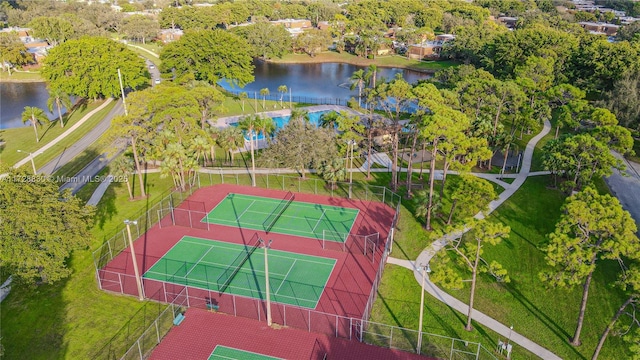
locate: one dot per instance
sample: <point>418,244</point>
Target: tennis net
<point>277,212</point>
<point>227,275</point>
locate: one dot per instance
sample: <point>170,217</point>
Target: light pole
<point>33,164</point>
<point>124,103</point>
<point>353,144</point>
<point>425,269</point>
<point>266,247</point>
<point>133,258</point>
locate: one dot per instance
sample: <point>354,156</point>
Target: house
<point>600,28</point>
<point>508,21</point>
<point>169,35</point>
<point>293,23</point>
<point>323,25</point>
<point>429,49</point>
<point>38,49</point>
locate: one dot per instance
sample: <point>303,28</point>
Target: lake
<point>317,81</point>
<point>15,96</point>
<point>306,81</point>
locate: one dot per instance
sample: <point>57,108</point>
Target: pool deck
<point>225,121</point>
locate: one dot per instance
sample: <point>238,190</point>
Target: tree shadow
<point>107,209</point>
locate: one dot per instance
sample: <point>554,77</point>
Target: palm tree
<point>230,139</point>
<point>214,134</point>
<point>264,92</point>
<point>282,89</point>
<point>36,116</point>
<point>265,126</point>
<point>200,146</point>
<point>300,114</point>
<point>422,205</point>
<point>60,99</point>
<point>358,79</point>
<point>333,171</point>
<point>242,96</point>
<point>248,124</point>
<point>329,120</point>
<point>121,168</point>
<point>372,73</point>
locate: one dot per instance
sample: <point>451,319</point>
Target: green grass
<point>21,76</point>
<point>73,319</point>
<point>548,320</point>
<point>23,138</point>
<point>385,61</point>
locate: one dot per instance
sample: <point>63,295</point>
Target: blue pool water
<point>281,121</point>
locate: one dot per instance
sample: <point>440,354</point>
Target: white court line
<point>285,276</point>
<point>197,262</point>
<point>245,210</point>
<point>318,223</point>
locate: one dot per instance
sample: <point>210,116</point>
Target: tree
<point>230,139</point>
<point>332,171</point>
<point>591,227</point>
<point>60,99</point>
<point>265,126</point>
<point>54,29</point>
<point>264,92</point>
<point>121,168</point>
<point>208,98</point>
<point>88,68</point>
<point>40,229</point>
<point>440,125</point>
<point>243,96</point>
<point>312,41</point>
<point>139,28</point>
<point>282,89</point>
<point>299,145</point>
<point>248,125</point>
<point>630,282</point>
<point>12,51</point>
<point>394,97</point>
<point>207,55</point>
<point>358,80</point>
<point>469,248</point>
<point>579,158</point>
<point>624,99</point>
<point>36,117</point>
<point>267,41</point>
<point>473,193</point>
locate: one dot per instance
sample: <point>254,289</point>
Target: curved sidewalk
<point>425,257</point>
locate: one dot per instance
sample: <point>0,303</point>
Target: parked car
<point>157,81</point>
<point>152,66</point>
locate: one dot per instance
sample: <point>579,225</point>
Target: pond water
<point>307,83</point>
<point>281,121</point>
<point>313,81</point>
<point>15,96</point>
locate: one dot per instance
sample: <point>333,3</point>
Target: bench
<point>178,319</point>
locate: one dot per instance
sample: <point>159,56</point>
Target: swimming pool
<point>281,121</point>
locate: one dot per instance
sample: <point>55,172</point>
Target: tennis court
<point>226,353</point>
<point>295,279</point>
<point>284,216</point>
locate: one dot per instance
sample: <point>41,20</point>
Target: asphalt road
<point>626,187</point>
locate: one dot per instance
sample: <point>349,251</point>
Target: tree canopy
<point>88,68</point>
<point>40,228</point>
<point>209,55</point>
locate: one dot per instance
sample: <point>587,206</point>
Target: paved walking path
<point>426,255</point>
<point>63,135</point>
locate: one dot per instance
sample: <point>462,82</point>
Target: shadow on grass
<point>31,318</point>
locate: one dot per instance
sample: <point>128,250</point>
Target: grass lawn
<point>23,138</point>
<point>73,319</point>
<point>386,61</point>
<point>21,76</point>
<point>548,320</point>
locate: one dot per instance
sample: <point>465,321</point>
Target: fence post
<point>139,349</point>
<point>157,332</point>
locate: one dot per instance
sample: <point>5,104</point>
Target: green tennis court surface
<point>294,279</point>
<point>223,353</point>
<point>276,215</point>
